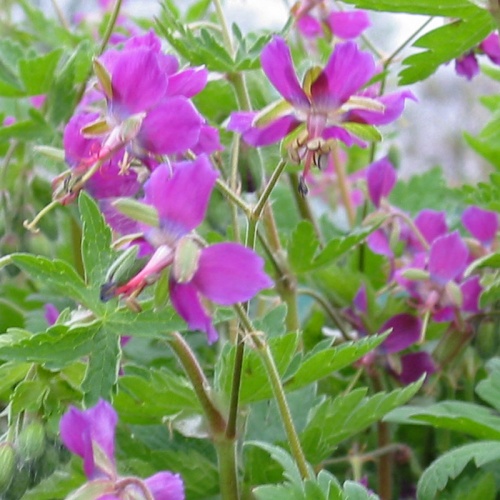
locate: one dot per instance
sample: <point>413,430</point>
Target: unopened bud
<point>187,255</point>
<point>31,441</point>
<point>7,465</point>
<point>454,293</point>
<point>415,274</point>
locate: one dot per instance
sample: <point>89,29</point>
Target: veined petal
<point>347,70</point>
<point>348,24</point>
<point>229,273</point>
<point>188,82</point>
<point>172,127</point>
<point>393,108</point>
<point>166,486</point>
<point>381,178</point>
<point>447,258</point>
<point>79,429</point>
<point>278,66</point>
<point>406,331</point>
<point>137,81</point>
<point>187,303</point>
<point>482,224</point>
<point>242,122</point>
<point>181,197</point>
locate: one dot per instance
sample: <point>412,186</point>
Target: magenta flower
<point>467,64</point>
<point>318,110</point>
<point>225,273</point>
<point>414,365</point>
<point>91,435</point>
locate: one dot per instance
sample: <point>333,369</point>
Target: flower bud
<point>415,274</point>
<point>454,293</point>
<point>187,255</point>
<point>31,441</point>
<point>7,465</point>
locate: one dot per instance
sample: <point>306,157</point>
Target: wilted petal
<point>414,365</point>
<point>229,273</point>
<point>471,290</point>
<point>137,81</point>
<point>181,197</point>
<point>491,47</point>
<point>79,429</point>
<point>467,66</point>
<point>242,122</point>
<point>188,82</point>
<point>447,258</point>
<point>347,70</point>
<point>278,66</point>
<point>406,331</point>
<point>482,224</point>
<point>166,486</point>
<point>348,24</point>
<point>172,127</point>
<point>309,26</point>
<point>431,224</point>
<point>393,108</point>
<point>381,177</point>
<point>187,303</point>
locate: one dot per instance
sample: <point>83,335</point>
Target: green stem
<point>262,348</point>
<point>259,207</point>
<point>302,203</point>
<point>228,473</point>
<point>200,384</point>
<point>235,389</point>
<point>226,34</point>
<point>343,183</point>
<point>111,26</point>
<point>334,316</point>
<point>227,191</point>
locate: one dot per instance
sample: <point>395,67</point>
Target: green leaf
<point>368,133</point>
<point>450,465</point>
<point>28,396</point>
<point>460,416</point>
<point>303,247</point>
<point>485,194</point>
<point>356,491</point>
<point>33,129</point>
<point>56,274</point>
<point>320,364</point>
<point>37,73</point>
<point>59,345</point>
<point>155,395</point>
<point>487,142</point>
<point>197,10</point>
<point>254,382</point>
<point>11,374</point>
<point>489,389</point>
<point>444,8</point>
<point>97,254</point>
<point>491,260</point>
<point>339,418</point>
<point>466,33</point>
<point>102,368</point>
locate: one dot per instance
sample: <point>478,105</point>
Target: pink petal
<point>137,81</point>
<point>447,258</point>
<point>414,365</point>
<point>381,178</point>
<point>431,224</point>
<point>348,24</point>
<point>188,83</point>
<point>347,70</point>
<point>471,290</point>
<point>278,66</point>
<point>181,197</point>
<point>491,47</point>
<point>166,486</point>
<point>78,148</point>
<point>482,224</point>
<point>309,26</point>
<point>187,303</point>
<point>379,243</point>
<point>79,429</point>
<point>229,273</point>
<point>467,66</point>
<point>406,331</point>
<point>172,127</point>
<point>242,122</point>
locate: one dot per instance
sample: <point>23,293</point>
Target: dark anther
<point>303,189</point>
<point>108,291</point>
